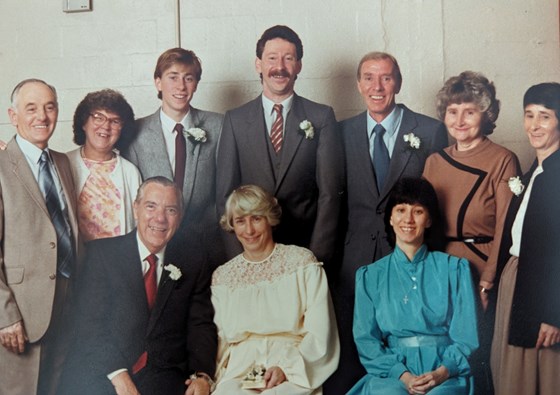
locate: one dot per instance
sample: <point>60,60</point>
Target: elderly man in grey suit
<point>382,144</point>
<point>179,142</point>
<point>289,146</point>
<point>38,246</point>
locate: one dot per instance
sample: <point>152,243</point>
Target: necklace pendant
<point>405,299</point>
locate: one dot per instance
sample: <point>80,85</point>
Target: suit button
<point>379,211</point>
<point>373,237</point>
<point>52,276</point>
<point>52,244</point>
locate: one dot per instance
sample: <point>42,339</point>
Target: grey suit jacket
<point>309,182</point>
<point>149,153</point>
<point>28,259</point>
<point>366,240</point>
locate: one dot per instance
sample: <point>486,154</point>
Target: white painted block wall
<point>514,42</point>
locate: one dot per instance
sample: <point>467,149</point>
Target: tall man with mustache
<point>288,145</point>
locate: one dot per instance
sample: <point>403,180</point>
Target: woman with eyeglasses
<point>105,182</point>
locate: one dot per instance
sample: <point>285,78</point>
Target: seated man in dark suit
<point>145,321</point>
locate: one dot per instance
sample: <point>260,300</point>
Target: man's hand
<point>124,385</point>
<point>274,376</point>
<point>13,337</point>
<point>548,336</point>
<point>198,386</point>
<point>3,145</point>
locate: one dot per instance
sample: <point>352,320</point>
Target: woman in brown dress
<point>471,180</point>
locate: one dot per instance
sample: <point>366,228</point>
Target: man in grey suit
<point>287,145</point>
<point>38,245</point>
<point>179,142</point>
<point>382,144</point>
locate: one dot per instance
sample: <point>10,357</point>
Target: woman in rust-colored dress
<point>471,180</point>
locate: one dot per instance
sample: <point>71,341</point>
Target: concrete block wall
<point>514,42</point>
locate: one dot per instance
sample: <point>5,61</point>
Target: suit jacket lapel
<point>360,141</point>
<point>21,169</point>
<point>193,151</point>
<point>292,138</point>
<point>401,153</point>
<point>156,143</point>
<point>256,136</point>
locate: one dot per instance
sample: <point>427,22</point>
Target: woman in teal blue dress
<point>415,316</point>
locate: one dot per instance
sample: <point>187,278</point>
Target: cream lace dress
<point>277,312</point>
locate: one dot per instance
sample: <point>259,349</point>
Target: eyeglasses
<point>100,119</point>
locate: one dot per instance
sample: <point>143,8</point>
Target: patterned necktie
<point>65,250</point>
<point>180,156</point>
<point>277,126</point>
<point>381,158</point>
<point>150,283</point>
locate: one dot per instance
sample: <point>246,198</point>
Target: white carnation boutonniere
<point>307,128</point>
<point>174,272</point>
<point>516,186</point>
<point>197,135</point>
<point>412,140</point>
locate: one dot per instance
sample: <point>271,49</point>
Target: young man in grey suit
<point>289,146</point>
<point>38,246</point>
<point>179,142</point>
<point>382,144</point>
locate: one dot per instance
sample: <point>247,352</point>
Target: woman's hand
<point>425,382</point>
<point>274,376</point>
<point>548,336</point>
<point>408,378</point>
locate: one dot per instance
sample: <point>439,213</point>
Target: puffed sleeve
<point>462,328</point>
<point>319,350</point>
<point>377,359</point>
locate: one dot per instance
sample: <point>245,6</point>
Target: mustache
<point>280,72</point>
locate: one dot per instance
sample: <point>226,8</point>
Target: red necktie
<point>277,126</point>
<point>150,283</point>
<point>180,156</point>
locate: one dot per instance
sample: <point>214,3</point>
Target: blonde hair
<point>250,200</point>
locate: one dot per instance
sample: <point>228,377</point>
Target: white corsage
<point>174,272</point>
<point>197,135</point>
<point>516,186</point>
<point>412,140</point>
<point>307,128</point>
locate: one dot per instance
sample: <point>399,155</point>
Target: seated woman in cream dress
<point>105,182</point>
<point>276,326</point>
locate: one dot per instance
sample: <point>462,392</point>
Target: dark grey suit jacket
<point>149,153</point>
<point>114,324</point>
<point>309,182</point>
<point>366,240</point>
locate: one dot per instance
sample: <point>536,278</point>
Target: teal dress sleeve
<point>376,358</point>
<point>464,338</point>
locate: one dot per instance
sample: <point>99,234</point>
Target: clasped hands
<point>425,382</point>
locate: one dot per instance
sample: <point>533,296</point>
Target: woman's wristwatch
<point>202,375</point>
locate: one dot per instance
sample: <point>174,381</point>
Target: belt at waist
<point>473,239</point>
<point>418,341</point>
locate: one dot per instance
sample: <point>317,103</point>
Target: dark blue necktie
<point>65,250</point>
<point>381,158</point>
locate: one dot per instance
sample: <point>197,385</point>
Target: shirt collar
<point>268,104</point>
<point>31,151</point>
<point>168,124</point>
<point>144,252</point>
<point>391,122</point>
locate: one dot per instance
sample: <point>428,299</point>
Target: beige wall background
<point>515,43</point>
